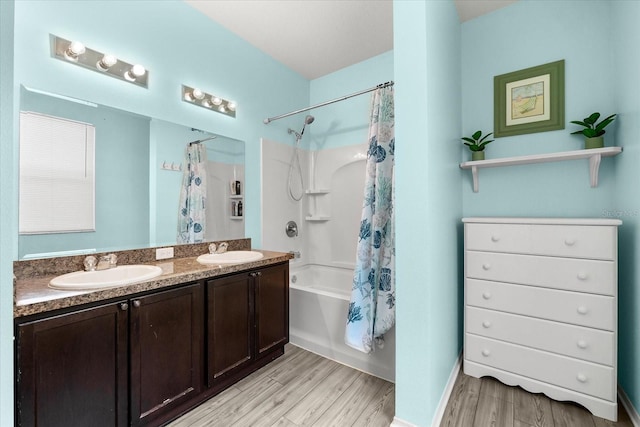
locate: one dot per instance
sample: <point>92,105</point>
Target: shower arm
<point>302,110</point>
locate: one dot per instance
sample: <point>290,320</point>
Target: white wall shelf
<point>594,155</point>
<point>236,217</point>
<point>316,192</point>
<point>235,196</point>
<point>317,218</point>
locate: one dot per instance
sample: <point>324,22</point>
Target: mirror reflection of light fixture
<point>77,53</point>
<point>203,99</point>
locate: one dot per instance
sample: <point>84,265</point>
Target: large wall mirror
<point>138,177</point>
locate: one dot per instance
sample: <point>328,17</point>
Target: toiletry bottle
<point>234,209</point>
<point>238,192</point>
<point>239,208</point>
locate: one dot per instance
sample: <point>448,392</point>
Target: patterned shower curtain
<point>191,216</point>
<point>372,308</point>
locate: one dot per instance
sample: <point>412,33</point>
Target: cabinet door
<point>166,352</point>
<point>272,308</point>
<point>72,369</point>
<point>230,326</point>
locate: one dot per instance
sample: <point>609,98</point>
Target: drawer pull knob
<point>486,266</point>
<point>582,310</point>
<point>582,276</point>
<point>486,295</point>
<point>486,352</point>
<point>582,378</point>
<point>582,344</point>
<point>569,242</point>
<point>495,238</point>
<point>486,324</point>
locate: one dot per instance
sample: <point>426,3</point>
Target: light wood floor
<point>487,402</point>
<point>299,389</point>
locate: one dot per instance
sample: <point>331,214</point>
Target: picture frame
<point>529,100</point>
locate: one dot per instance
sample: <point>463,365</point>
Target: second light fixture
<point>202,99</point>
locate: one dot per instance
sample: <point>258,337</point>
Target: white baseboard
<point>444,399</point>
<point>446,394</point>
<point>633,413</point>
<point>397,422</point>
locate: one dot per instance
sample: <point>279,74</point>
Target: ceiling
<point>317,37</point>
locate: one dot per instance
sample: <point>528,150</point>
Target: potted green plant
<point>477,144</point>
<point>593,132</point>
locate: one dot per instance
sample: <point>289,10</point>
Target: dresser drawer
<point>584,377</point>
<point>588,344</point>
<point>581,309</point>
<point>573,241</point>
<point>559,273</point>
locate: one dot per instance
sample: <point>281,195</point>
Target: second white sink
<point>110,278</point>
<point>230,257</point>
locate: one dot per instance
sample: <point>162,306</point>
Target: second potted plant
<point>477,144</point>
<point>593,133</point>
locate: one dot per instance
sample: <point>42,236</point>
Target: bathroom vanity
<point>541,306</point>
<point>151,351</point>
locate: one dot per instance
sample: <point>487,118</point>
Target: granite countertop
<point>33,295</point>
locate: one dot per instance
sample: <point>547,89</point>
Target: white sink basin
<point>110,278</point>
<point>230,257</point>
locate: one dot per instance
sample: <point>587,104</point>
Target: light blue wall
<point>346,122</point>
<point>121,185</point>
<point>509,40</point>
<point>601,74</point>
<point>428,204</point>
<point>625,41</point>
<point>178,45</point>
<point>8,213</point>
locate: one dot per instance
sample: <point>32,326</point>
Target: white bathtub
<point>319,301</point>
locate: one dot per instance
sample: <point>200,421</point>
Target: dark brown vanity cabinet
<point>166,352</point>
<point>119,364</point>
<point>248,318</point>
<point>72,369</point>
<point>147,359</point>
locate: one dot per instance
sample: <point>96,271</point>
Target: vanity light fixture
<point>195,96</point>
<point>77,53</point>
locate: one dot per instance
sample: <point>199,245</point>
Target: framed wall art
<point>529,100</point>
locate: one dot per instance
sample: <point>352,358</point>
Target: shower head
<point>307,121</point>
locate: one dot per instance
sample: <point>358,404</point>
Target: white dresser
<point>541,308</point>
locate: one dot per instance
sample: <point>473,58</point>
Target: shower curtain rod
<point>371,89</point>
<point>202,140</point>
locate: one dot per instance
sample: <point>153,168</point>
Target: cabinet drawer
<point>581,309</point>
<point>574,241</point>
<point>560,273</point>
<point>584,377</point>
<point>588,344</point>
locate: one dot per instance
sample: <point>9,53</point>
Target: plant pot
<point>595,142</point>
<point>477,155</point>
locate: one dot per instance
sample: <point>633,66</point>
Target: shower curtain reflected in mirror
<point>191,215</point>
<point>372,307</point>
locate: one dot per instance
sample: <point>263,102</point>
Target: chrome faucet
<point>107,261</point>
<point>219,249</point>
<point>90,263</point>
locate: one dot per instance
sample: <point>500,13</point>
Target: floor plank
<point>380,410</point>
<point>461,407</point>
<point>493,411</point>
<point>310,408</point>
<point>566,414</point>
<point>532,409</point>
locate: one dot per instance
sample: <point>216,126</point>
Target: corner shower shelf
<point>317,218</point>
<point>594,155</point>
<point>316,192</point>
<point>236,196</point>
<point>236,217</point>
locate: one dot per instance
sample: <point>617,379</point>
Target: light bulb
<point>74,50</point>
<point>106,62</point>
<point>197,94</point>
<point>215,100</point>
<point>231,105</point>
<point>135,72</point>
